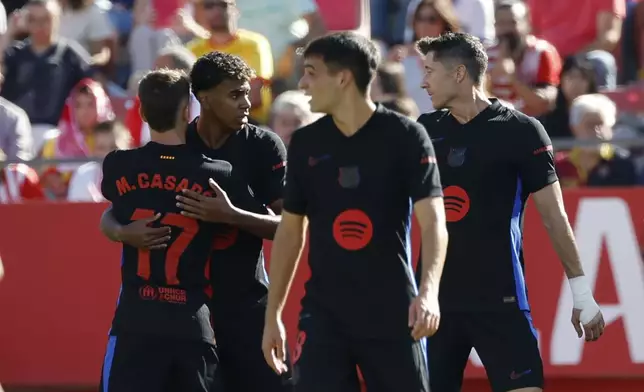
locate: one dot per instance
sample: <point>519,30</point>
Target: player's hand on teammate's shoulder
<point>590,330</point>
<point>424,315</point>
<point>217,209</point>
<point>141,235</point>
<point>274,344</point>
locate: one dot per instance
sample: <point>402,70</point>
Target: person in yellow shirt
<point>220,19</point>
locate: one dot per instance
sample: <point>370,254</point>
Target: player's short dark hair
<point>347,51</point>
<point>161,93</point>
<point>213,68</point>
<point>457,49</point>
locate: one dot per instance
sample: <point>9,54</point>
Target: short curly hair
<point>213,68</point>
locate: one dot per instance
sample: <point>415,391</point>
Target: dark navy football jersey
<point>489,166</point>
<point>357,193</point>
<point>238,273</point>
<point>165,292</point>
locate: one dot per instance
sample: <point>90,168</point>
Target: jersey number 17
<point>189,228</point>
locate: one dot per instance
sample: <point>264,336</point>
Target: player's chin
<point>240,121</point>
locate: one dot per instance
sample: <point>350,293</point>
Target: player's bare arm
<point>285,256</point>
<point>138,234</point>
<point>219,209</point>
<point>586,312</point>
<point>424,313</point>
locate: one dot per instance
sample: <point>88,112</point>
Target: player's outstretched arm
<point>285,255</point>
<point>586,312</point>
<point>138,234</point>
<point>109,226</point>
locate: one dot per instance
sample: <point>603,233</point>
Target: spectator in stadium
<point>3,30</point>
<point>290,111</point>
<point>287,24</point>
<point>430,18</point>
<point>523,69</point>
<point>221,17</point>
<point>87,105</point>
<point>41,72</point>
<point>18,183</point>
<point>85,183</point>
<point>575,27</point>
<point>16,140</point>
<point>172,57</point>
<point>475,17</point>
<point>156,29</point>
<point>84,22</point>
<point>388,88</point>
<point>577,78</point>
<point>592,117</point>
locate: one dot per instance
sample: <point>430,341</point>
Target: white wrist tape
<point>582,297</point>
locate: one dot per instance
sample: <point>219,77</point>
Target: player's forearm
<point>285,256</point>
<point>563,240</point>
<point>263,226</point>
<point>109,226</point>
<point>434,248</point>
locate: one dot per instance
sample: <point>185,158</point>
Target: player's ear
<point>461,73</point>
<point>345,77</point>
<point>186,113</point>
<point>202,97</point>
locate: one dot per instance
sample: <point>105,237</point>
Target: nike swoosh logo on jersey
<point>314,161</point>
<point>437,139</point>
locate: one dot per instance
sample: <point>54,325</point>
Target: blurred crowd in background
<point>70,70</point>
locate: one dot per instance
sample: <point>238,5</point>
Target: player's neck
<point>464,110</point>
<point>168,138</point>
<point>211,132</point>
<point>352,114</point>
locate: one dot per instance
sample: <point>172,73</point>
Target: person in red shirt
<point>19,182</point>
<point>576,26</point>
<point>523,70</point>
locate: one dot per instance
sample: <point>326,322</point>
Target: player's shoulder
<point>258,133</point>
<point>434,119</point>
<point>312,132</point>
<point>261,139</point>
<point>513,120</point>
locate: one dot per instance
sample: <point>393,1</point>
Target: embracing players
<point>354,175</point>
<point>161,337</point>
<point>221,83</point>
<point>491,159</point>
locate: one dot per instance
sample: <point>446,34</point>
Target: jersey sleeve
<point>420,167</point>
<point>268,183</point>
<point>295,196</point>
<point>535,157</point>
<point>108,183</point>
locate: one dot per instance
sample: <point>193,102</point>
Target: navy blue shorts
<point>326,359</point>
<point>135,363</point>
<point>239,345</point>
<point>505,341</point>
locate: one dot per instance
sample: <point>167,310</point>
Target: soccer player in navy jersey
<point>491,159</point>
<point>220,82</point>
<point>161,337</point>
<point>353,177</point>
